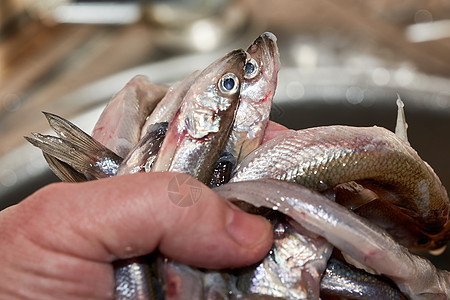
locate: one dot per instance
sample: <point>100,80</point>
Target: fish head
<point>261,69</point>
<point>199,129</point>
<point>212,100</point>
<point>257,91</point>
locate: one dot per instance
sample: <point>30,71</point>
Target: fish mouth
<point>266,50</point>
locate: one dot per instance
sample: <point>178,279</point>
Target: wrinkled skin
<point>91,227</point>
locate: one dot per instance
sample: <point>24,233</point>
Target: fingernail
<point>246,229</point>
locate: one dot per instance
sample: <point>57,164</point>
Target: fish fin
<point>88,161</point>
<point>401,125</point>
<point>353,195</point>
<point>75,135</point>
<point>62,170</point>
<point>62,150</point>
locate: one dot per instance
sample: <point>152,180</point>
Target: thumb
<point>132,215</point>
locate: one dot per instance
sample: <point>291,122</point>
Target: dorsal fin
<point>401,126</point>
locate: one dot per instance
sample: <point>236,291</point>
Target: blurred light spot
<point>381,76</point>
<point>404,76</point>
<point>305,56</point>
<point>97,13</point>
<point>295,90</point>
<point>429,31</point>
<point>354,95</point>
<point>12,102</point>
<point>204,35</point>
<point>8,178</point>
<point>422,16</point>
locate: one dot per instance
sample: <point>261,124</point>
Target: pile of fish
<point>347,204</point>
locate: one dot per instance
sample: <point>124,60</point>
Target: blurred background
<point>343,62</point>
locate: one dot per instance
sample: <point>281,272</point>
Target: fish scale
<point>323,157</point>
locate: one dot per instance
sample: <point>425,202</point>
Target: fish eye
<point>229,84</point>
<point>251,69</point>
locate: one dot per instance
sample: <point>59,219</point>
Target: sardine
<point>322,158</point>
<point>199,129</point>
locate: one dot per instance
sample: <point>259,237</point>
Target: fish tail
<point>62,170</point>
<point>77,149</point>
<point>62,150</point>
<point>73,134</point>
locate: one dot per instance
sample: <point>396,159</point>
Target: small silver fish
<point>364,242</point>
<point>294,266</point>
<point>256,94</point>
<point>170,103</point>
<point>194,138</point>
<point>143,154</point>
<point>323,157</point>
<point>343,280</point>
<point>199,129</point>
<point>257,91</point>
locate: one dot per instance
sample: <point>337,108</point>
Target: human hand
<point>61,241</point>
